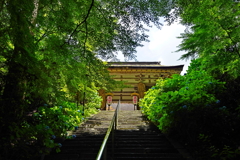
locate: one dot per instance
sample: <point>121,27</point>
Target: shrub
<point>189,108</point>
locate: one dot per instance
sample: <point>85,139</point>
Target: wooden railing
<point>111,129</point>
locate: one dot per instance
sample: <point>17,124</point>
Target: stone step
<point>158,149</point>
<point>147,154</point>
<point>147,158</point>
<point>62,157</point>
<point>93,156</point>
<point>135,139</point>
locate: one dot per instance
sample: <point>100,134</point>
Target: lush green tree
<point>185,105</point>
<point>50,49</point>
<point>216,38</point>
<point>195,110</point>
<point>212,33</point>
<point>59,42</point>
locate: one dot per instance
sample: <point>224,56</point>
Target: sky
<point>162,46</point>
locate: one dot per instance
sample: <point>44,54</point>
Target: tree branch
<point>85,41</point>
<point>44,35</point>
<point>85,19</point>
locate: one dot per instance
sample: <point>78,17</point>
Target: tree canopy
<point>50,55</point>
<point>51,50</point>
<point>60,41</point>
<point>213,32</point>
<point>201,108</point>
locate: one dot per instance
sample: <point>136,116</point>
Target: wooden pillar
<point>141,89</point>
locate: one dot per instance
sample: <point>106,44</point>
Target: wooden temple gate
<point>139,76</point>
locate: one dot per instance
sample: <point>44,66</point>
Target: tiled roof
<point>141,65</point>
<point>134,63</point>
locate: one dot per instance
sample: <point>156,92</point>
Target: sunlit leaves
<point>196,104</point>
<point>50,52</point>
<point>214,34</point>
<point>193,91</point>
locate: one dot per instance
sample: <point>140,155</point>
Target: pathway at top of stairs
<point>136,138</point>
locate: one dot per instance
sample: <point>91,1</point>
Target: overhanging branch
<point>84,21</point>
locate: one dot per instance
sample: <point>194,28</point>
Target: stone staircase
<point>144,145</point>
<point>136,138</point>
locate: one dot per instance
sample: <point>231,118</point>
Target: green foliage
<point>148,104</point>
<point>192,109</point>
<point>49,54</point>
<point>49,46</point>
<point>41,129</point>
<point>212,33</point>
<point>226,153</point>
<point>48,126</point>
<point>93,101</point>
<point>186,105</point>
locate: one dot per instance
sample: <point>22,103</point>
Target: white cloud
<point>162,46</point>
